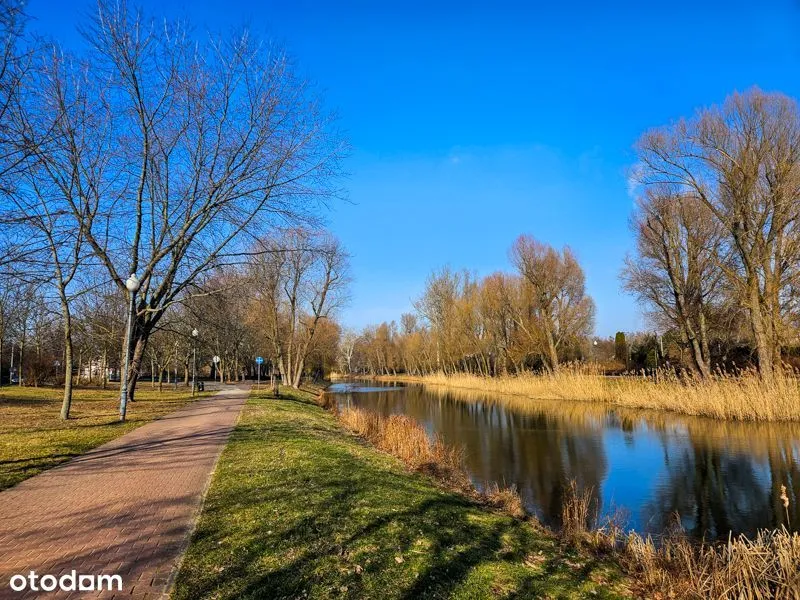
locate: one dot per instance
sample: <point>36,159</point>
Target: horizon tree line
<point>716,266</point>
<point>507,322</point>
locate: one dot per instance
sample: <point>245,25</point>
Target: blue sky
<point>473,122</point>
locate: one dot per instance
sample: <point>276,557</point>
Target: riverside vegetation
<point>673,566</point>
<point>746,397</point>
<point>300,508</point>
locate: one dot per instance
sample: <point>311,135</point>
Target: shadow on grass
<point>300,509</point>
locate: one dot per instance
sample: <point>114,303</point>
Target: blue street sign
<point>259,360</point>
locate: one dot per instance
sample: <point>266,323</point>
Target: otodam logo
<point>68,582</point>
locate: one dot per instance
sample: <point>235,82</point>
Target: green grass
<point>298,508</point>
<point>33,437</point>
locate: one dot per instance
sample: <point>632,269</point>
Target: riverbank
<point>299,507</point>
<point>34,438</point>
<point>744,398</point>
<point>764,566</point>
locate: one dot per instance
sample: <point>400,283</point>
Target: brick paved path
<point>124,508</point>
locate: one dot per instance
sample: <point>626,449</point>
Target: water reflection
<point>716,477</point>
<point>348,387</point>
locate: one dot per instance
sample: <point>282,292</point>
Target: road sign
<point>259,362</point>
<point>216,359</point>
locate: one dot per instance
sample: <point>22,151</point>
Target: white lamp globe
<point>132,283</point>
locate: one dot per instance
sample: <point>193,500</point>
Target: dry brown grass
<point>744,397</point>
<point>767,566</point>
<point>406,439</point>
<point>506,499</point>
<point>577,517</point>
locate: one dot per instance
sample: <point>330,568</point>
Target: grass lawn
<point>299,508</point>
<point>34,438</point>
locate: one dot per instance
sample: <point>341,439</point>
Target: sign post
<point>216,367</point>
<point>259,362</point>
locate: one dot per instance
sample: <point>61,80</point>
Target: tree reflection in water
<point>718,477</point>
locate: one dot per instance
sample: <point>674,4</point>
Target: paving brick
<point>126,507</point>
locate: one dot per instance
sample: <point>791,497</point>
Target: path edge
<point>166,591</point>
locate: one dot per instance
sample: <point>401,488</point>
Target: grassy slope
<point>34,438</point>
<point>299,508</point>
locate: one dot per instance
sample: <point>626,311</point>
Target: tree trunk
<point>701,366</point>
<point>66,403</point>
<point>134,366</point>
<point>705,352</point>
<point>21,364</point>
<point>298,374</point>
<point>275,388</point>
<point>762,339</point>
<point>552,353</point>
<point>104,374</point>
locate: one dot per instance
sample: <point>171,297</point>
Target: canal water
<point>644,467</point>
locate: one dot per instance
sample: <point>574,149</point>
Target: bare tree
<point>221,316</point>
<point>676,270</point>
<point>347,347</point>
<point>267,272</point>
<point>742,160</point>
<point>496,306</point>
<point>437,306</point>
<point>171,154</point>
<point>556,306</point>
<point>300,279</point>
<point>38,218</point>
<point>13,65</point>
<point>100,310</point>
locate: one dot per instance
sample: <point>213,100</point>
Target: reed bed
<point>406,439</point>
<point>577,516</point>
<point>674,566</point>
<point>506,499</point>
<point>741,397</point>
<point>767,566</point>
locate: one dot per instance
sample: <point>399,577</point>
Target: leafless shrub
<point>577,516</point>
<point>506,499</point>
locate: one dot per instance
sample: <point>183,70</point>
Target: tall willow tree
<point>555,306</point>
<point>741,160</point>
<point>677,268</point>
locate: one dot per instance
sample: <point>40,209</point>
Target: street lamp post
<point>176,366</point>
<point>132,285</point>
<point>195,333</point>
